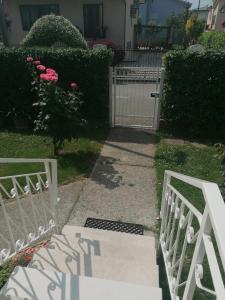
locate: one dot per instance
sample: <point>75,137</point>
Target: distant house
<point>158,11</point>
<point>216,17</point>
<point>110,19</point>
<point>202,12</point>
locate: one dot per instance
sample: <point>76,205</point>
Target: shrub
<point>213,40</point>
<point>89,69</point>
<point>194,93</point>
<point>50,30</point>
<point>54,105</point>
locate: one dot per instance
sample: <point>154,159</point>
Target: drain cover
<point>114,226</point>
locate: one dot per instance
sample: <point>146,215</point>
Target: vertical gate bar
<point>111,100</point>
<point>115,96</point>
<point>159,98</point>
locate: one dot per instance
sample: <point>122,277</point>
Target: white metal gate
<point>135,96</point>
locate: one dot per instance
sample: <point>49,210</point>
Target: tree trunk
<point>3,27</point>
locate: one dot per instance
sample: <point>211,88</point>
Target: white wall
<point>114,17</point>
<point>217,16</point>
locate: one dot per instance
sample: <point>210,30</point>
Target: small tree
<point>58,111</point>
<point>194,28</point>
<point>177,23</point>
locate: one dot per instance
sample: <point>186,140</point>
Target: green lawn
<point>76,159</point>
<point>200,162</point>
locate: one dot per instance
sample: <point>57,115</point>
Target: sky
<point>203,3</point>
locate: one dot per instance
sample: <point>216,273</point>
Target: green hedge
<point>87,67</point>
<point>213,40</point>
<point>194,93</point>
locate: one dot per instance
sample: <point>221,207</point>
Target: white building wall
<point>114,16</point>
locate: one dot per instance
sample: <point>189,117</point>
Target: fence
<point>138,58</point>
<point>151,36</point>
<point>193,242</point>
<point>27,205</point>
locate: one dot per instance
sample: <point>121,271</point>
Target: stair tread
<point>132,271</point>
<point>106,234</point>
<point>45,285</point>
<point>3,297</point>
<point>115,248</point>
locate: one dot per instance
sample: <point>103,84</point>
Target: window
<point>93,20</point>
<point>30,13</point>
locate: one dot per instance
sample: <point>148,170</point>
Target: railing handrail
<point>25,160</point>
<point>212,219</point>
<point>215,203</point>
<point>216,208</point>
<point>39,190</point>
<point>188,179</point>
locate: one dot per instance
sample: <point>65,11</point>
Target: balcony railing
<point>27,205</point>
<point>193,241</point>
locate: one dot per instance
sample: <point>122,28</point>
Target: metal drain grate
<point>114,226</point>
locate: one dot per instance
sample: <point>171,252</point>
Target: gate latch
<point>154,95</point>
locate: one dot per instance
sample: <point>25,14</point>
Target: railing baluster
<point>20,236</point>
<point>181,214</point>
<point>184,248</point>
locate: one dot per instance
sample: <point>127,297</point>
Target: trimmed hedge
<point>87,67</point>
<point>194,93</point>
<point>51,29</point>
<point>213,40</point>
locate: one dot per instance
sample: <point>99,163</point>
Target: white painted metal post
<point>158,101</point>
<point>111,98</point>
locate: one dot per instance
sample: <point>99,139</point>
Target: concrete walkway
<point>122,184</point>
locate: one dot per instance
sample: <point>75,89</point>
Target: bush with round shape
<point>50,30</point>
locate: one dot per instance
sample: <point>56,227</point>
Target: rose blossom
<point>37,62</point>
<point>41,67</point>
<point>29,58</point>
<point>51,71</point>
<point>74,85</point>
<point>49,77</point>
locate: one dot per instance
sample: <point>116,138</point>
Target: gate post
<point>111,98</point>
<point>158,100</point>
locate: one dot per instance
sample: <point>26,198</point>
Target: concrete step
<point>3,297</point>
<point>107,235</point>
<point>118,247</point>
<point>45,285</point>
<point>72,262</point>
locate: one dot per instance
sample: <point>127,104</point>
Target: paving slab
<point>122,184</point>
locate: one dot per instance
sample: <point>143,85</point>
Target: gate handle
<point>154,95</point>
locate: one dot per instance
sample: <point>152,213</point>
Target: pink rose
<point>54,77</point>
<point>50,71</point>
<point>37,62</point>
<point>29,58</point>
<point>74,85</point>
<point>49,77</point>
<point>41,67</point>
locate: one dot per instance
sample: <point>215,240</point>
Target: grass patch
<point>199,162</point>
<point>76,159</point>
<point>5,271</point>
<point>190,160</point>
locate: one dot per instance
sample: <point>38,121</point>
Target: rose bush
<point>57,111</point>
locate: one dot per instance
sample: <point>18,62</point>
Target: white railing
<point>191,240</point>
<point>27,205</point>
